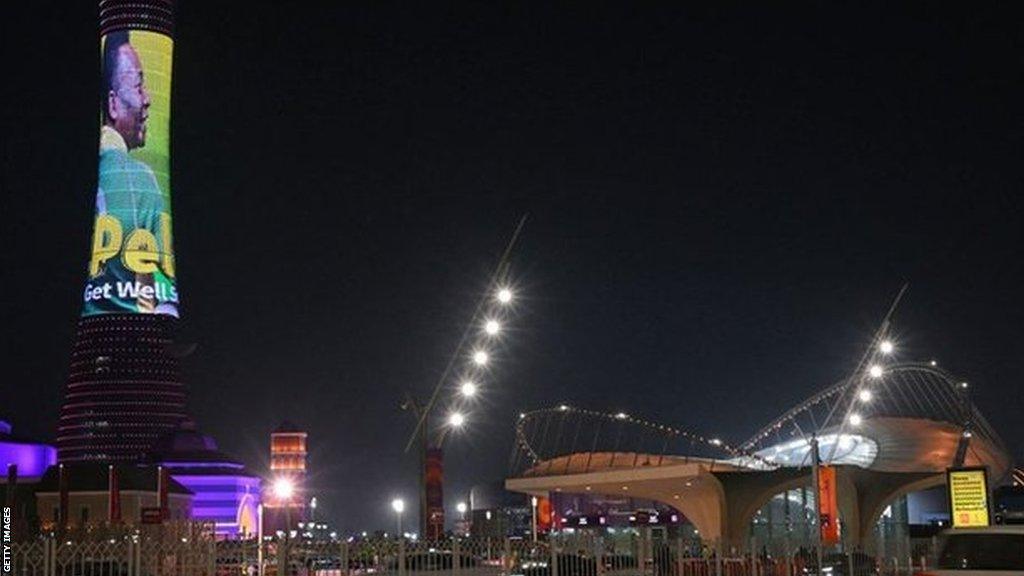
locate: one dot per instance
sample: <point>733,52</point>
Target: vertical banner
<point>545,515</point>
<point>12,484</point>
<point>131,265</point>
<point>828,505</point>
<point>113,496</point>
<point>62,487</point>
<point>968,497</point>
<point>161,489</point>
<point>433,477</point>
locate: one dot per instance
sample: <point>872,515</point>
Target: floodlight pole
<point>423,437</point>
<point>856,381</point>
<point>816,483</point>
<point>500,271</point>
<point>422,411</point>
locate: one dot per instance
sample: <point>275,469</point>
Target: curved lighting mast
<point>869,370</point>
<point>857,390</point>
<point>811,418</point>
<point>468,363</point>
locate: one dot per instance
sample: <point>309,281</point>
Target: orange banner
<point>828,505</point>
<point>545,515</point>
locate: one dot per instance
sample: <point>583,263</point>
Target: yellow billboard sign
<point>968,497</point>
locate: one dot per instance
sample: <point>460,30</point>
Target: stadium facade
<point>889,439</point>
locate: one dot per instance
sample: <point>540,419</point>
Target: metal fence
<point>50,557</point>
<point>565,555</point>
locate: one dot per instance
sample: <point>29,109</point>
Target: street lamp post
<point>533,505</point>
<point>259,539</point>
<point>461,507</point>
<point>398,505</point>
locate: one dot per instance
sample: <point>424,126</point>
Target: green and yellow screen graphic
<point>131,266</point>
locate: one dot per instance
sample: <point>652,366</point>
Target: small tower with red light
<point>284,503</point>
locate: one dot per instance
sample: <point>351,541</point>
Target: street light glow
<point>461,507</point>
<point>621,416</point>
<point>492,327</point>
<point>480,358</point>
<point>468,389</point>
<point>504,295</point>
<point>875,371</point>
<point>457,419</point>
<point>283,488</point>
<point>398,505</point>
<point>865,395</point>
<point>855,419</point>
<point>886,347</point>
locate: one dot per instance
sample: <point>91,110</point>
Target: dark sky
<point>722,202</point>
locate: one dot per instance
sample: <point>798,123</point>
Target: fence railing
<point>51,557</point>
<point>575,555</point>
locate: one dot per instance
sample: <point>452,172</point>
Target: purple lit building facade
<point>31,458</point>
<point>224,491</point>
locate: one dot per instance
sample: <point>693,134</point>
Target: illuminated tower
<point>124,389</point>
<point>288,452</point>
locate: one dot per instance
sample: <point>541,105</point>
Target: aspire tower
<point>124,390</point>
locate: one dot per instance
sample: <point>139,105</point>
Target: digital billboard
<point>131,263</point>
<point>968,497</point>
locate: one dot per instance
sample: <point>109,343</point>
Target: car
<point>839,565</point>
<point>991,551</point>
<point>433,560</point>
<point>568,565</point>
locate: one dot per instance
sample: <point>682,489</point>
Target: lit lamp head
<point>504,295</point>
<point>284,488</point>
<point>492,327</point>
<point>461,507</point>
<point>886,347</point>
<point>398,505</point>
<point>480,358</point>
<point>456,419</point>
<point>468,389</point>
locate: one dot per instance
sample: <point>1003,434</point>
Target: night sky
<point>722,203</point>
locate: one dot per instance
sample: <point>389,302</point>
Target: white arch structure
<point>916,421</point>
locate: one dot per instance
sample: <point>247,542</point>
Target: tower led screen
<point>131,263</point>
